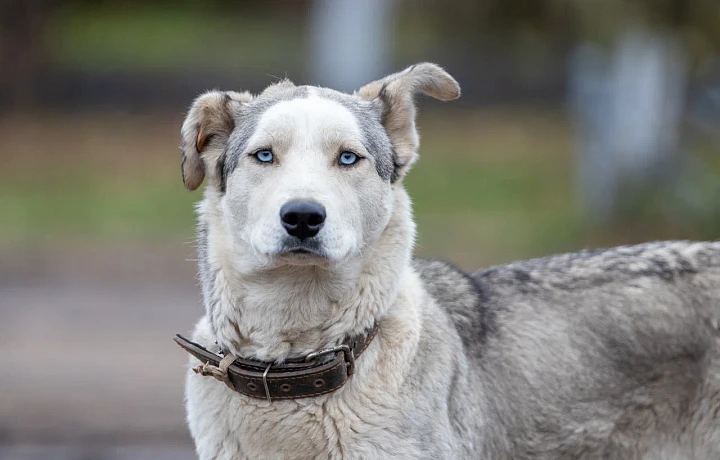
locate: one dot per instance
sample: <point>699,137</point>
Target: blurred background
<point>582,124</point>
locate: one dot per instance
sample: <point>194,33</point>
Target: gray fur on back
<point>607,354</point>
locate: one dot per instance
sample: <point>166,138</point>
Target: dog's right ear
<point>205,132</point>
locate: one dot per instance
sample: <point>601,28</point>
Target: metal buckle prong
<point>267,390</point>
<point>347,354</point>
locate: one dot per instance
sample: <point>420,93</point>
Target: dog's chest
<point>339,426</point>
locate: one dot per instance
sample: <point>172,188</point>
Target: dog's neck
<point>291,311</point>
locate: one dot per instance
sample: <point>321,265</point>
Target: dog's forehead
<point>312,116</point>
<point>285,91</point>
<point>361,116</point>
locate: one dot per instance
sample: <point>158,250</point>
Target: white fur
<point>358,421</point>
<point>361,420</point>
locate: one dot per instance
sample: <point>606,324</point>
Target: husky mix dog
<point>305,239</point>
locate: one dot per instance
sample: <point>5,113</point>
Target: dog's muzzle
<point>323,371</point>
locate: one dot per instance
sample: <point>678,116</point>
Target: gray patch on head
<point>248,118</point>
<point>375,138</point>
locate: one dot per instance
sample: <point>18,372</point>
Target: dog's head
<point>305,175</point>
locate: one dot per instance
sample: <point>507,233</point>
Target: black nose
<point>302,219</point>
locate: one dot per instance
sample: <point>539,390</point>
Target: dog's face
<point>305,175</point>
<point>308,179</point>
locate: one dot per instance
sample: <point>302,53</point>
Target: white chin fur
<point>327,259</point>
<point>271,248</point>
<point>302,260</point>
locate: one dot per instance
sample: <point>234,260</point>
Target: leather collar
<point>321,372</point>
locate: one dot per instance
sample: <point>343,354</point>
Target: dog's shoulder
<point>464,299</point>
<point>447,283</point>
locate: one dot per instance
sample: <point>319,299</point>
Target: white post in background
<point>590,107</point>
<point>649,97</point>
<point>626,108</point>
<point>350,41</point>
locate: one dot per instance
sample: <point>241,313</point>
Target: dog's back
<point>610,354</point>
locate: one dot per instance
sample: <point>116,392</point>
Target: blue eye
<point>348,158</point>
<point>266,156</point>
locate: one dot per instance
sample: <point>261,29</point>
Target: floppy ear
<point>205,132</point>
<point>397,92</point>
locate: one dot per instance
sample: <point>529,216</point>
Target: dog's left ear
<point>205,132</point>
<point>396,93</point>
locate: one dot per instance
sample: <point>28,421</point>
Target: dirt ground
<point>88,368</point>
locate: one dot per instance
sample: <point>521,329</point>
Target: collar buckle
<point>348,355</point>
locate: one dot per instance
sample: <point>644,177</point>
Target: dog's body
<point>605,354</point>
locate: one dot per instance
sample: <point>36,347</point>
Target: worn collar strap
<point>321,372</point>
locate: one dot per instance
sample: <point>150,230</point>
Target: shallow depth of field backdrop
<point>582,124</point>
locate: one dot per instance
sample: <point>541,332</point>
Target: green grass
<point>75,205</point>
<point>496,184</point>
<point>160,36</point>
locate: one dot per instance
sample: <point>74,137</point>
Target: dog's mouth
<point>302,249</point>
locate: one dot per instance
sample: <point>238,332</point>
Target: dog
<point>305,237</point>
